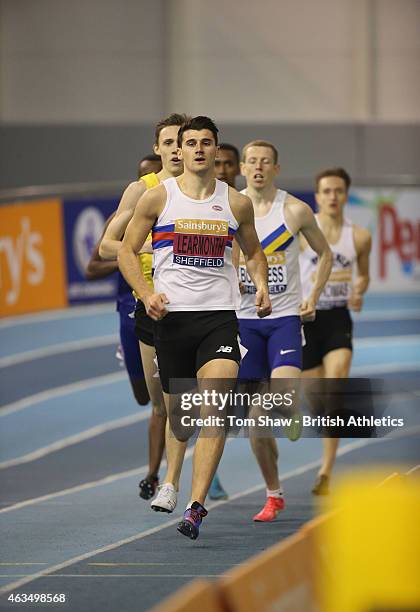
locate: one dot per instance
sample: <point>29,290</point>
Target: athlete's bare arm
<point>300,218</point>
<point>256,261</point>
<point>111,241</point>
<point>363,244</point>
<point>149,208</point>
<point>97,267</point>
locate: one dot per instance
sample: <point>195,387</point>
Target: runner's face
<point>227,167</point>
<point>331,195</point>
<point>167,149</point>
<point>259,168</point>
<point>147,166</point>
<point>198,150</point>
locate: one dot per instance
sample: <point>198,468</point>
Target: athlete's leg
<point>336,364</point>
<point>265,448</point>
<point>157,422</point>
<point>317,372</point>
<point>321,484</point>
<point>175,451</point>
<point>254,366</point>
<point>210,443</point>
<point>131,353</point>
<point>140,392</point>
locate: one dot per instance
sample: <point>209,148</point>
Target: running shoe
<point>148,486</point>
<point>190,524</point>
<point>216,490</point>
<point>165,500</point>
<point>322,485</point>
<point>273,505</point>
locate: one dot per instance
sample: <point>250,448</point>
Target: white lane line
<point>151,564</point>
<point>76,489</point>
<point>54,315</point>
<point>24,563</point>
<point>389,340</point>
<point>131,419</point>
<point>296,472</point>
<point>87,485</point>
<point>387,315</point>
<point>97,341</point>
<point>110,378</point>
<point>384,368</point>
<point>58,349</point>
<point>100,576</point>
<point>82,385</point>
<point>82,436</point>
<point>108,307</point>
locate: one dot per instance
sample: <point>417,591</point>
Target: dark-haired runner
<point>194,219</point>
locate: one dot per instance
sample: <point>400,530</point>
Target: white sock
<point>169,484</point>
<point>188,505</point>
<point>275,493</point>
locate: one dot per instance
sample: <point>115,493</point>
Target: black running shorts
<point>331,330</point>
<point>144,325</point>
<point>185,341</point>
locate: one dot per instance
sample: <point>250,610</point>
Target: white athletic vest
<point>192,251</point>
<point>281,248</point>
<point>337,290</point>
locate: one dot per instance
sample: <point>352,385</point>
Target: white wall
<point>81,60</point>
<point>297,60</point>
<point>398,60</point>
<point>267,60</point>
<point>121,61</point>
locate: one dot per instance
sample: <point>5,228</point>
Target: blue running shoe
<point>190,524</point>
<point>216,490</point>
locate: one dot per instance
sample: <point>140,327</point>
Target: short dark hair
<point>152,157</point>
<point>198,123</point>
<point>225,146</point>
<point>173,119</point>
<point>339,172</point>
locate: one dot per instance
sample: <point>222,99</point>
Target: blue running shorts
<point>271,343</point>
<point>129,341</point>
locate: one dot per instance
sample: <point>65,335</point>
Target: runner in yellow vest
<point>166,132</point>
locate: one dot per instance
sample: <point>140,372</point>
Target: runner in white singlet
<point>328,349</point>
<point>194,219</point>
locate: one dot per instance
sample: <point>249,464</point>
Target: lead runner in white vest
<point>274,344</point>
<point>328,349</point>
<point>194,219</point>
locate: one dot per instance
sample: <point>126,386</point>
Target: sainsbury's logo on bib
<point>202,226</point>
<point>201,242</point>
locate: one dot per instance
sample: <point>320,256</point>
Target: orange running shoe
<point>273,505</point>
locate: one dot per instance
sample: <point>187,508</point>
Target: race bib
<point>277,275</point>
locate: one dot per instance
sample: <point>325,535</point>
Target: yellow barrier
<point>277,579</point>
<point>321,561</point>
<point>198,596</point>
<point>364,556</point>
